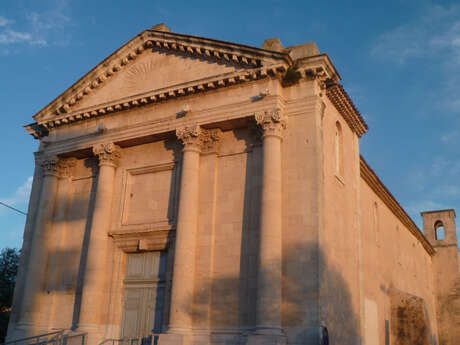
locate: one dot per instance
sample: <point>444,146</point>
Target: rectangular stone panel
<point>148,196</point>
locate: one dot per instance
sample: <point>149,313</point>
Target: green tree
<point>9,260</point>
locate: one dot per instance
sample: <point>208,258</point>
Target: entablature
<point>225,117</point>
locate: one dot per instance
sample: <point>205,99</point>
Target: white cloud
<point>21,195</point>
<point>444,168</point>
<point>415,208</point>
<point>435,33</point>
<point>5,21</point>
<point>450,191</point>
<point>434,38</point>
<point>450,137</point>
<point>11,36</point>
<point>47,20</point>
<point>36,28</point>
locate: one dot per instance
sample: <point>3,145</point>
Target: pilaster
<point>59,233</point>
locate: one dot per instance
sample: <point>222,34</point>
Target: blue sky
<point>399,60</point>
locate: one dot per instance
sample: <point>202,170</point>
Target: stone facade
<point>214,193</point>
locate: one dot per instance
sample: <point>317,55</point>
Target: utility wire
<point>14,209</point>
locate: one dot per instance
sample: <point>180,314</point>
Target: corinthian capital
<point>210,140</point>
<point>107,153</point>
<point>190,137</point>
<point>272,122</point>
<point>196,138</point>
<point>49,165</point>
<point>65,167</point>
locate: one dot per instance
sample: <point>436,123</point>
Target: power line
<point>14,209</point>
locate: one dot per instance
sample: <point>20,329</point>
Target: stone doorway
<point>144,294</point>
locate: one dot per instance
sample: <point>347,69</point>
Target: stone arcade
<point>213,193</point>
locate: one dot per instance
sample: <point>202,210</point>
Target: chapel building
<point>193,191</point>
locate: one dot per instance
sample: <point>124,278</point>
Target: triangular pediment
<point>156,60</point>
<point>154,71</point>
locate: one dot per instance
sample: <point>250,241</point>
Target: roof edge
<point>345,106</point>
<point>222,43</point>
<point>437,211</point>
<point>382,191</point>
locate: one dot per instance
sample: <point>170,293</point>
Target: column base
<point>267,336</point>
<point>24,329</point>
<point>171,339</point>
<point>94,334</point>
<point>201,337</point>
<point>263,339</point>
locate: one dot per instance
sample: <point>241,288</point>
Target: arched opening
<point>338,149</point>
<point>439,232</point>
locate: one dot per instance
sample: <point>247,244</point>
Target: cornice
<point>449,210</point>
<point>133,241</point>
<point>344,105</point>
<point>319,67</point>
<point>152,40</point>
<point>219,44</point>
<point>385,195</point>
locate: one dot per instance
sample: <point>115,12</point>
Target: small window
<point>338,149</point>
<point>375,211</point>
<point>439,232</point>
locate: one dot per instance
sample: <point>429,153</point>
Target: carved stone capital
<point>272,122</point>
<point>65,167</point>
<point>49,165</point>
<point>198,139</point>
<point>210,140</point>
<point>190,137</point>
<point>107,153</point>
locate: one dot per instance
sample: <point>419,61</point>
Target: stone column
<point>95,290</point>
<point>187,222</point>
<point>34,298</point>
<point>21,278</point>
<point>55,317</point>
<point>269,276</point>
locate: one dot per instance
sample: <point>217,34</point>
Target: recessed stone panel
<point>148,195</point>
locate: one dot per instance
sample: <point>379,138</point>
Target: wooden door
<point>144,294</point>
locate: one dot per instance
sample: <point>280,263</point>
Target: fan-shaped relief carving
<point>153,71</point>
<point>140,75</point>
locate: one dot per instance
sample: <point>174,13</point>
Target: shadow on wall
<point>233,295</point>
<point>62,270</point>
<point>300,303</point>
